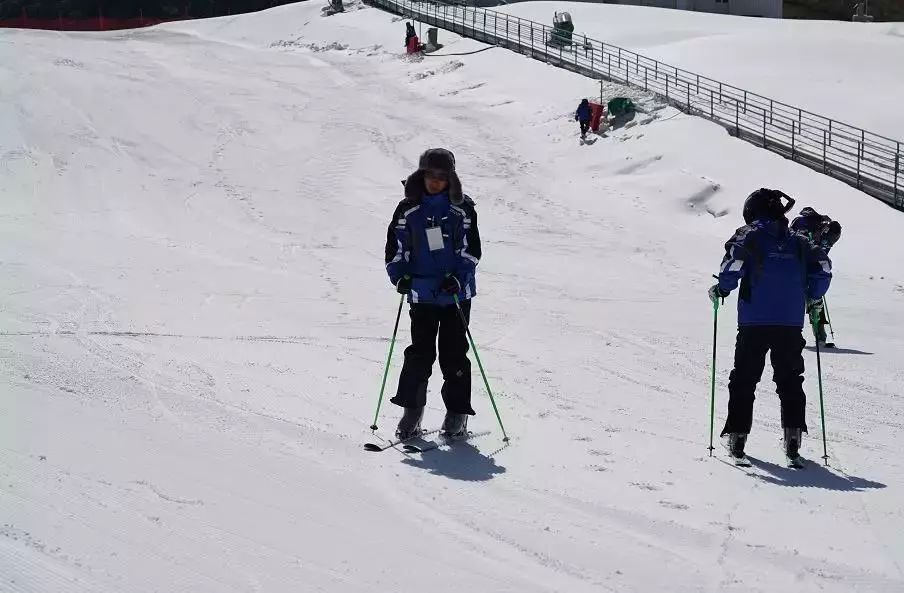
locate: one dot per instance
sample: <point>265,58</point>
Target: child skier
<point>432,250</point>
<point>781,274</point>
<point>583,116</point>
<point>820,230</point>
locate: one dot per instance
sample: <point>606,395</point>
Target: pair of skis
<point>419,444</point>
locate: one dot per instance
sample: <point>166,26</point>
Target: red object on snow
<point>596,114</point>
<point>414,44</point>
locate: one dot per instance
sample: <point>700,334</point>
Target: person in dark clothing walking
<point>583,116</point>
<point>820,230</point>
<point>432,251</point>
<point>781,275</point>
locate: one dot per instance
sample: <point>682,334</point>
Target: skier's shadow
<point>839,351</point>
<point>461,461</point>
<point>814,475</point>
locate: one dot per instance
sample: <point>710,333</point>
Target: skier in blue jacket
<point>781,275</point>
<point>825,232</point>
<point>432,250</point>
<point>583,116</point>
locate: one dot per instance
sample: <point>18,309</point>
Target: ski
<point>442,441</point>
<point>378,447</point>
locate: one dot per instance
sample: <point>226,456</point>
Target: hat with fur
<point>437,159</point>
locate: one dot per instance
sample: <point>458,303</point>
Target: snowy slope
<point>848,71</point>
<point>194,316</point>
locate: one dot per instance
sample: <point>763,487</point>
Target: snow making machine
<point>562,28</point>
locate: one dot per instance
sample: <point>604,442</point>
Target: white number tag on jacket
<point>435,238</point>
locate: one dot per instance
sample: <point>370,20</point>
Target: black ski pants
<point>585,125</point>
<point>785,345</point>
<point>427,323</point>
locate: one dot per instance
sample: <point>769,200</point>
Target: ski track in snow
<point>195,318</point>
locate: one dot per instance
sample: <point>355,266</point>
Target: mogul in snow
<point>432,250</point>
<point>781,274</point>
<point>820,230</point>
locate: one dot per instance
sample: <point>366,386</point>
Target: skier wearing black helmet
<point>820,230</point>
<point>432,250</point>
<point>780,273</point>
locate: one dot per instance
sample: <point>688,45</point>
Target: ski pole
<point>483,374</point>
<point>825,306</point>
<point>395,331</point>
<point>822,409</point>
<point>712,400</point>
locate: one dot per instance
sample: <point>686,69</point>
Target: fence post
<point>824,162</point>
<point>667,87</point>
<point>646,75</point>
<point>897,167</point>
<point>737,118</point>
<point>830,132</point>
<point>793,139</point>
<point>764,127</point>
<point>698,84</point>
<point>712,111</point>
<point>689,97</point>
<point>859,156</point>
<point>720,93</point>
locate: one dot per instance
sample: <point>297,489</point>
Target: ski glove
<point>403,286</point>
<point>450,285</point>
<point>716,294</point>
<point>814,308</point>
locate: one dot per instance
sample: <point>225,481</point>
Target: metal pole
<point>822,408</point>
<point>897,167</point>
<point>483,374</point>
<point>793,137</point>
<point>824,162</point>
<point>764,127</point>
<point>859,158</point>
<point>395,332</point>
<point>712,399</point>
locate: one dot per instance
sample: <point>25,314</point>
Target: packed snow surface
<point>194,317</point>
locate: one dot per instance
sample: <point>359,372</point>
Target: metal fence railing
<point>867,161</point>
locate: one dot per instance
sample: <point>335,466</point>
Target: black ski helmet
<point>766,203</point>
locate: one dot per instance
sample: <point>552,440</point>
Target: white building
<point>762,8</point>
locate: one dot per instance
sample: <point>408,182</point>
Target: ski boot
<point>455,425</point>
<point>792,447</point>
<point>410,424</point>
<point>735,442</point>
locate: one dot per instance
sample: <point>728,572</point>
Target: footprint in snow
<point>645,486</point>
